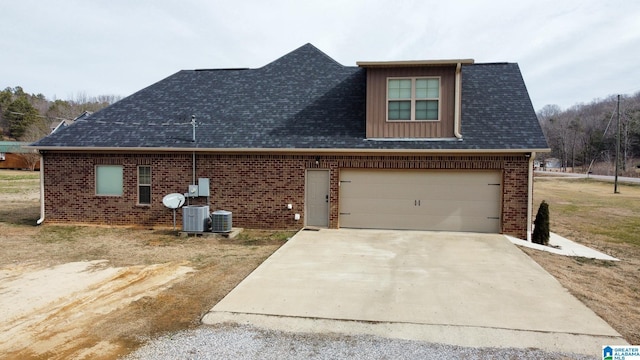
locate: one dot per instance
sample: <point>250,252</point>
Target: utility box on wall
<point>203,187</point>
<point>195,218</point>
<point>193,191</point>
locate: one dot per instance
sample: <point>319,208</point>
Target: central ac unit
<point>221,221</point>
<point>195,218</point>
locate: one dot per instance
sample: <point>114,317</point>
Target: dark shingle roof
<point>303,100</point>
<point>496,110</point>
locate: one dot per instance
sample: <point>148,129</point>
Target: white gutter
<point>458,103</point>
<point>41,220</point>
<point>412,139</point>
<point>530,197</point>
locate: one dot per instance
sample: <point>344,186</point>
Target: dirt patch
<point>46,311</point>
<point>86,292</point>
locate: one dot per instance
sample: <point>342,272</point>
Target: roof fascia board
<point>289,151</point>
<point>409,63</point>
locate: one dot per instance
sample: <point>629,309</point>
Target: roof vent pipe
<point>193,124</point>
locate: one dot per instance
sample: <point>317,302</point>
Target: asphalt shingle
<point>303,100</point>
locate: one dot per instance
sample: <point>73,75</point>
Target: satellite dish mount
<point>173,201</point>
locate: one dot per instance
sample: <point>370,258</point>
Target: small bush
<point>541,231</point>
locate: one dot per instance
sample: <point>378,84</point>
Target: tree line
<point>29,117</point>
<point>583,137</point>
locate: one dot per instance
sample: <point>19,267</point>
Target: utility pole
<point>615,182</point>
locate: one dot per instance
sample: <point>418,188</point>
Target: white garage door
<point>421,200</point>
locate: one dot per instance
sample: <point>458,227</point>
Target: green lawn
<point>584,209</point>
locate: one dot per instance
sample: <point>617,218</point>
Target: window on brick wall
<point>144,185</point>
<point>413,99</point>
<point>109,180</point>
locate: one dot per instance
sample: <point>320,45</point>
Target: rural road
<point>621,179</point>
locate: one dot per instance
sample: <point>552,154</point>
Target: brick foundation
<point>256,188</point>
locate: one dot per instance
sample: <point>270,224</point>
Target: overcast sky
<point>569,51</point>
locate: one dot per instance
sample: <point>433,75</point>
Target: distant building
<point>12,156</point>
<point>60,124</point>
<point>552,163</point>
<point>64,123</point>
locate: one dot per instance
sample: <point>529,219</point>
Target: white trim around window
<point>144,185</point>
<point>413,98</point>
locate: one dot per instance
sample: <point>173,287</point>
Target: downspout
<point>458,105</point>
<point>41,220</point>
<point>193,140</point>
<point>193,176</point>
<point>530,197</point>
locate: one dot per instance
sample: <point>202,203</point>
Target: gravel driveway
<point>245,342</point>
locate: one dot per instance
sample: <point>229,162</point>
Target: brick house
<point>433,145</point>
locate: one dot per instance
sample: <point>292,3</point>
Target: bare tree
<point>34,132</point>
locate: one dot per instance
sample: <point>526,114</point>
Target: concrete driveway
<point>458,288</point>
